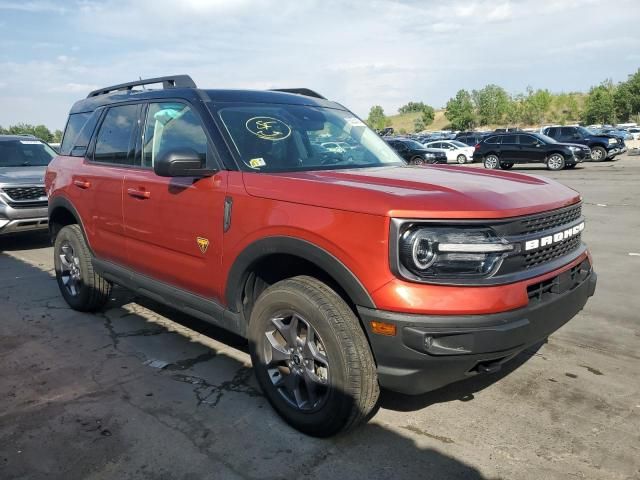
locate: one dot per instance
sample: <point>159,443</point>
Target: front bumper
<point>429,352</point>
<point>16,220</point>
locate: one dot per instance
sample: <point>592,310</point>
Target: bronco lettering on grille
<point>555,238</point>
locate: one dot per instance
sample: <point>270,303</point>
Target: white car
<point>456,151</point>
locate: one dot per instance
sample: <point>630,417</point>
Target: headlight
<point>575,149</point>
<point>612,141</point>
<point>429,155</point>
<point>453,252</point>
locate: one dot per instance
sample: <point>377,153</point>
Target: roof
<point>183,87</point>
<point>8,138</point>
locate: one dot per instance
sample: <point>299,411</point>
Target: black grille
<point>21,194</point>
<point>551,252</point>
<point>564,282</point>
<point>549,220</point>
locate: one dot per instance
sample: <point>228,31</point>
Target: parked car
<point>415,153</point>
<point>504,150</point>
<point>635,132</point>
<point>622,134</point>
<point>603,146</point>
<point>471,138</point>
<point>343,278</point>
<point>23,200</point>
<point>456,151</point>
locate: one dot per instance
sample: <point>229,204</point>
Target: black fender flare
<point>299,248</point>
<point>62,203</point>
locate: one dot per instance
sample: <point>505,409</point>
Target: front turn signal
<point>383,328</point>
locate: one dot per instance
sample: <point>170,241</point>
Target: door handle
<point>82,184</point>
<point>142,194</point>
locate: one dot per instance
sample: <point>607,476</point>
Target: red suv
<point>345,273</point>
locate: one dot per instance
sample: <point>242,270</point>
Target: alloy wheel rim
<point>297,362</point>
<point>596,154</point>
<point>492,161</point>
<point>555,162</point>
<point>462,159</point>
<point>70,269</point>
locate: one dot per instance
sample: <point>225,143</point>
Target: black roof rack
<point>173,81</point>
<point>300,91</point>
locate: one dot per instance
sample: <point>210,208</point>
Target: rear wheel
<point>417,161</point>
<point>82,288</point>
<point>555,162</point>
<point>598,154</point>
<point>311,357</point>
<point>461,159</point>
<point>491,162</point>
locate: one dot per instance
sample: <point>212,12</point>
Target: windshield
<point>25,153</point>
<point>544,138</point>
<point>280,138</point>
<point>586,131</point>
<point>458,144</point>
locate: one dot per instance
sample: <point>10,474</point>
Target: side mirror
<point>183,162</point>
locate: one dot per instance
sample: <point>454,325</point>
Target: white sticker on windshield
<point>31,142</point>
<point>355,122</point>
<point>257,162</point>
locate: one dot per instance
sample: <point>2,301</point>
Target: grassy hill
<point>405,121</point>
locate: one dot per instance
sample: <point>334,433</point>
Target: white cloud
<point>359,53</point>
<point>36,6</point>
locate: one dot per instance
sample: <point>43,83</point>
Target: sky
<point>359,52</point>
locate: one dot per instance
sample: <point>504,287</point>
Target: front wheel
<point>598,154</point>
<point>80,285</point>
<point>491,162</point>
<point>461,159</point>
<point>555,162</point>
<point>311,357</point>
<point>417,161</point>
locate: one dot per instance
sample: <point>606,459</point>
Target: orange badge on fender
<point>203,243</point>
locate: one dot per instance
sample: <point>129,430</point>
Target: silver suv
<point>23,200</point>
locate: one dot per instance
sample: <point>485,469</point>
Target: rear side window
<point>494,139</point>
<point>113,142</point>
<point>172,126</point>
<point>74,125</point>
<point>527,140</point>
<point>553,132</point>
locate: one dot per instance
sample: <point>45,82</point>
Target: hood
<point>416,192</point>
<point>22,175</point>
<point>568,144</point>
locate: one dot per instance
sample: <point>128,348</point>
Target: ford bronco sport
<point>345,275</point>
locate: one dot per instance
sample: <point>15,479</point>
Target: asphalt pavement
<point>141,391</point>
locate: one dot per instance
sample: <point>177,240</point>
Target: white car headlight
<point>612,141</point>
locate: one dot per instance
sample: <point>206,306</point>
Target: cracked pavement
<point>142,391</point>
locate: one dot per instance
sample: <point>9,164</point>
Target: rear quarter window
<point>493,140</point>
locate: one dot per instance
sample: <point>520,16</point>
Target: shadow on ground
<point>83,400</point>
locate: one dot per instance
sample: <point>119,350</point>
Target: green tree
<point>536,106</point>
<point>513,114</point>
<point>418,125</point>
<point>377,119</point>
<point>459,111</point>
<point>39,131</point>
<point>599,106</point>
<point>428,115</point>
<point>413,107</point>
<point>57,136</point>
<point>492,103</point>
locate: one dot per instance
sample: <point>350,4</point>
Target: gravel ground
<point>140,391</point>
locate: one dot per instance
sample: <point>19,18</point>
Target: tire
<point>461,159</point>
<point>506,166</point>
<point>82,288</point>
<point>598,154</point>
<point>418,161</point>
<point>555,162</point>
<point>492,162</point>
<point>339,357</point>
